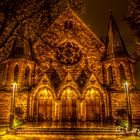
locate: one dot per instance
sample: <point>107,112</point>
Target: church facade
<point>69,74</point>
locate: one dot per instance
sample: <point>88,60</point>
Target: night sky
<point>97,17</point>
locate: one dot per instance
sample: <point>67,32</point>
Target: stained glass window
<point>68,25</point>
<point>27,75</point>
<point>16,73</point>
<point>122,73</point>
<point>110,75</point>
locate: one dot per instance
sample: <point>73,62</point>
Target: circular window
<point>68,53</point>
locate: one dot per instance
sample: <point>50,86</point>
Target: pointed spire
<point>115,47</point>
<point>21,47</point>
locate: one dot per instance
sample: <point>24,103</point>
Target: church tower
<point>18,66</point>
<point>118,66</point>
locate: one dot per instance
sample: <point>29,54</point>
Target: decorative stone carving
<point>68,53</point>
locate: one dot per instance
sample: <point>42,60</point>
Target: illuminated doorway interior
<point>45,106</point>
<point>69,104</point>
<point>93,105</point>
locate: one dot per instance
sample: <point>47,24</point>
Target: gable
<point>68,27</point>
<point>69,43</point>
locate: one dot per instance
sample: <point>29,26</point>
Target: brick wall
<point>5,105</point>
<point>118,101</point>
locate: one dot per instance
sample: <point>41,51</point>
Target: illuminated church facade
<point>69,74</point>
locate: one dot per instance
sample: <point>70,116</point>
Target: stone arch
<point>95,104</point>
<point>89,92</point>
<point>69,104</point>
<point>45,89</point>
<point>66,89</point>
<point>42,104</point>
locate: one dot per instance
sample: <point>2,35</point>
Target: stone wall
<point>5,105</point>
<point>118,101</point>
<point>22,102</point>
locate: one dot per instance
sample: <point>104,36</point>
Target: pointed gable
<point>93,85</point>
<point>69,27</point>
<point>68,81</point>
<point>45,81</point>
<point>66,84</point>
<point>93,81</point>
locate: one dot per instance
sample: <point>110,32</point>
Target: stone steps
<point>67,131</point>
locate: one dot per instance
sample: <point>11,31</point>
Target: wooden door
<point>44,110</point>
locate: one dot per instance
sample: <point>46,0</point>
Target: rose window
<point>68,53</point>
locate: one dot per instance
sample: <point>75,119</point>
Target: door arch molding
<point>41,103</point>
<point>95,104</point>
<point>69,89</point>
<point>69,104</point>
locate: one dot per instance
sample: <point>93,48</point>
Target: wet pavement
<point>4,136</point>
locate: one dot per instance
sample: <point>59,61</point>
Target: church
<point>69,74</point>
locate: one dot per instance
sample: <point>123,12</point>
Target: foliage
<point>121,112</point>
<point>34,15</point>
<point>19,112</point>
<point>17,122</point>
<point>19,117</point>
<point>24,21</point>
<point>133,17</point>
<point>123,123</point>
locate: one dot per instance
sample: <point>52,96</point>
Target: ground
<point>4,136</point>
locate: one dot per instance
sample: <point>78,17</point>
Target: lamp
<point>128,105</point>
<point>12,111</point>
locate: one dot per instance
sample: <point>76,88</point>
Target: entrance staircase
<point>65,129</point>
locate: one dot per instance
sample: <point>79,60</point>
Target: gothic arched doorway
<point>43,105</point>
<point>93,105</point>
<point>69,104</point>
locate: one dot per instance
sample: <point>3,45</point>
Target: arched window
<point>68,24</point>
<point>16,73</point>
<point>122,73</point>
<point>110,75</point>
<point>27,75</point>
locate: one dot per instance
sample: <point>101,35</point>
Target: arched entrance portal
<point>69,104</point>
<point>93,105</point>
<point>44,105</point>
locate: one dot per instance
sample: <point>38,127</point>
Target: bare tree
<point>32,16</point>
<point>133,19</point>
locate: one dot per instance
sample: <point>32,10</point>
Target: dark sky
<point>97,16</point>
